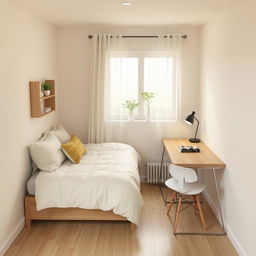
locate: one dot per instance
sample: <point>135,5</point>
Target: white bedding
<point>107,178</point>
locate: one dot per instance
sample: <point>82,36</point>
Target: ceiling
<point>142,12</point>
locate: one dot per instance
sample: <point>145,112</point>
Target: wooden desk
<point>203,159</point>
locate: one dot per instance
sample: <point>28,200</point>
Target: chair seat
<point>188,188</point>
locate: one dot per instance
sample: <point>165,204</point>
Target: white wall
<point>27,52</point>
<point>228,115</point>
<point>74,60</point>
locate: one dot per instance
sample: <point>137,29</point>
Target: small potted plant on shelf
<point>47,91</point>
<point>131,105</point>
<point>147,97</point>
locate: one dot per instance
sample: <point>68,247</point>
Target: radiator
<point>153,172</point>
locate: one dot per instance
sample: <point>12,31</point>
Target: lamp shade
<point>190,118</point>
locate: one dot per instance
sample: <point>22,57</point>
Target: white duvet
<point>107,178</point>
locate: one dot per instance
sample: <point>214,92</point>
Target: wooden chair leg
<point>200,211</point>
<point>177,216</point>
<point>171,203</point>
<point>195,205</point>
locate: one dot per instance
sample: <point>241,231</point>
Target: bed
<point>105,185</point>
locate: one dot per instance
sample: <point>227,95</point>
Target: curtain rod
<point>184,36</point>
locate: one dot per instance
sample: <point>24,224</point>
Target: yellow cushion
<point>74,149</point>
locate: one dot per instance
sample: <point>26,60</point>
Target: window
<point>134,73</point>
<point>124,83</point>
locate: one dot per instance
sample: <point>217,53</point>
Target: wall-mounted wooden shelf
<point>38,103</point>
<point>47,97</point>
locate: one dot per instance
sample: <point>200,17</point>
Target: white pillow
<point>33,165</point>
<point>46,153</point>
<point>61,134</point>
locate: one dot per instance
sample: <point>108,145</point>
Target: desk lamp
<point>190,120</point>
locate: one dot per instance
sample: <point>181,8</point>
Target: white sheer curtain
<point>97,116</point>
<point>122,70</point>
<point>101,44</point>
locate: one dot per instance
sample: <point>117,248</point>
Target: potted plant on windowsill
<point>47,91</point>
<point>131,105</point>
<point>147,97</point>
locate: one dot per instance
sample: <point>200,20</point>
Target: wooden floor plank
<point>153,237</point>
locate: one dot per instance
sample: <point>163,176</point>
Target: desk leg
<point>218,195</point>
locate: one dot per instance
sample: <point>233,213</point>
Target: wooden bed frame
<point>67,214</point>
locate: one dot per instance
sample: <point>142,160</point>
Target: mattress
<point>107,178</point>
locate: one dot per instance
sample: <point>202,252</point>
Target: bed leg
<point>27,214</point>
<point>28,222</point>
<point>133,227</point>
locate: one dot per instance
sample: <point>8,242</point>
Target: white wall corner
<point>11,237</point>
<point>240,250</point>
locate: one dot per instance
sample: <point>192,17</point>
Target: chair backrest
<point>182,174</point>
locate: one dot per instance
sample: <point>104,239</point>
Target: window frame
<point>141,55</point>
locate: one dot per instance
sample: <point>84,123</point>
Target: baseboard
<point>240,250</point>
<point>11,237</point>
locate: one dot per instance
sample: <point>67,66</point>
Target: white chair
<point>185,183</point>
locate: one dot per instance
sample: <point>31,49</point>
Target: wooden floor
<point>153,237</point>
